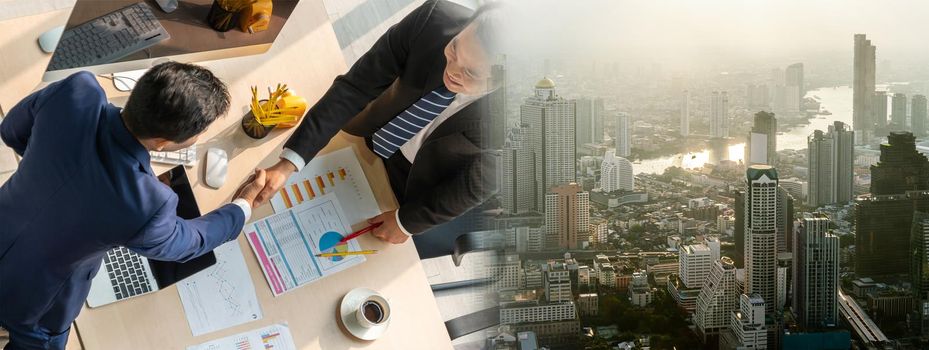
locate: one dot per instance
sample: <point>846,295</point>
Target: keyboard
<point>108,38</point>
<point>185,157</point>
<point>127,272</point>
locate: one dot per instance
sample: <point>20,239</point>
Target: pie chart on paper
<point>329,243</point>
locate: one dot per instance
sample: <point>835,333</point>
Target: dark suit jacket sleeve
<point>16,128</point>
<point>169,238</point>
<point>351,92</point>
<point>451,198</point>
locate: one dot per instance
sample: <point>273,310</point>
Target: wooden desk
<point>306,56</point>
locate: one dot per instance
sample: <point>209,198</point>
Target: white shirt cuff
<point>293,158</point>
<point>246,208</point>
<point>397,216</point>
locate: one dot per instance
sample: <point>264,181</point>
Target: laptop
<point>125,274</point>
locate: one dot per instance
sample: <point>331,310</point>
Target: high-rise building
<point>901,167</point>
<point>785,219</point>
<point>919,118</point>
<point>719,114</point>
<point>717,298</point>
<point>589,121</point>
<point>616,173</point>
<point>517,189</point>
<point>621,138</point>
<point>551,137</point>
<point>815,272</point>
<point>898,112</point>
<point>694,263</point>
<point>794,78</point>
<point>831,160</point>
<point>762,140</point>
<point>497,102</point>
<point>738,231</point>
<point>567,215</point>
<point>761,233</point>
<point>884,220</point>
<point>685,113</point>
<point>863,86</point>
<point>879,111</point>
<point>919,270</point>
<point>747,326</point>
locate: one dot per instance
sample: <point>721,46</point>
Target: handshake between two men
<point>258,189</point>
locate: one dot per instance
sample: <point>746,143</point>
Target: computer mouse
<point>49,40</point>
<point>167,6</point>
<point>217,164</point>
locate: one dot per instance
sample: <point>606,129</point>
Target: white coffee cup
<point>373,311</point>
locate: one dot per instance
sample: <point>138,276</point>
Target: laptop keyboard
<point>127,273</point>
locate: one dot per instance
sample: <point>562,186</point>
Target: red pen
<point>361,232</point>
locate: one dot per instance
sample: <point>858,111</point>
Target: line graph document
<point>337,172</point>
<point>273,337</point>
<point>221,296</point>
<point>286,243</point>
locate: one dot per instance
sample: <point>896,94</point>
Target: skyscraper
<point>719,114</point>
<point>898,112</point>
<point>497,101</point>
<point>884,220</point>
<point>785,219</point>
<point>918,116</point>
<point>616,173</point>
<point>517,189</point>
<point>879,112</point>
<point>589,121</point>
<point>863,86</point>
<point>738,233</point>
<point>762,140</point>
<point>685,113</point>
<point>622,135</point>
<point>794,78</point>
<point>831,160</point>
<point>919,270</point>
<point>717,298</point>
<point>551,137</point>
<point>567,215</point>
<point>760,233</point>
<point>816,272</point>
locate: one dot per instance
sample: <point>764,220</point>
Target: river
<point>837,100</point>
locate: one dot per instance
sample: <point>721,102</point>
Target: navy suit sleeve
<point>368,77</point>
<point>167,237</point>
<point>17,124</point>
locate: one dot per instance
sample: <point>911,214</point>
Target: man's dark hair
<point>175,101</point>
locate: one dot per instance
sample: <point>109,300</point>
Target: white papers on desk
<point>286,243</point>
<point>221,296</point>
<point>337,172</point>
<point>273,337</point>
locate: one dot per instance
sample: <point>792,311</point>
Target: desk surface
<point>306,56</point>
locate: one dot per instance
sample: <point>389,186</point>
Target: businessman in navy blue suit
<point>85,185</point>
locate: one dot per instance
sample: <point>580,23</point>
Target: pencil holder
<point>223,16</point>
<point>253,128</point>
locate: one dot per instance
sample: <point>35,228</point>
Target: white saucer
<point>351,302</point>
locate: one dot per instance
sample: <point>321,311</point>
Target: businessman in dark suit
<point>85,185</point>
<point>418,97</point>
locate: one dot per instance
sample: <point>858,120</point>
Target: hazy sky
<point>715,29</point>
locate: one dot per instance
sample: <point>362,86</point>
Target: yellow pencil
<point>359,252</point>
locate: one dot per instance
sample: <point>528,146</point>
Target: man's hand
<point>277,176</point>
<point>252,187</point>
<point>389,231</point>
